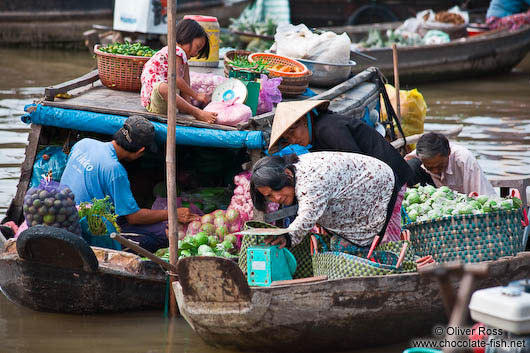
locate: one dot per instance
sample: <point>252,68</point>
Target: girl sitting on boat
<point>192,41</point>
<point>310,124</point>
<point>347,194</point>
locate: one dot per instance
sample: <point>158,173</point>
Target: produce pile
<point>259,66</point>
<point>51,204</point>
<point>426,203</point>
<point>210,236</point>
<point>96,212</point>
<point>242,201</point>
<point>246,25</point>
<point>136,49</point>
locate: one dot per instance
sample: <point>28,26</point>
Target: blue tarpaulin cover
<point>109,124</point>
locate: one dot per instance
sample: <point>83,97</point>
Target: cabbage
<point>482,199</point>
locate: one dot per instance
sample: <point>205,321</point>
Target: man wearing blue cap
<point>94,170</point>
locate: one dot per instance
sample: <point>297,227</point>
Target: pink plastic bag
<point>269,94</point>
<point>204,83</point>
<point>229,113</point>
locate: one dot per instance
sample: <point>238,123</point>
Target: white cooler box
<point>506,308</point>
<point>144,16</point>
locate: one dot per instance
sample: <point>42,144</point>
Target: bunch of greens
<point>136,49</point>
<point>376,39</point>
<point>260,65</point>
<point>428,203</point>
<point>203,245</point>
<point>96,213</point>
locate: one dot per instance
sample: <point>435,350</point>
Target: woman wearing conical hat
<point>309,123</point>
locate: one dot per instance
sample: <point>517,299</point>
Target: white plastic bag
<point>300,43</point>
<point>229,113</point>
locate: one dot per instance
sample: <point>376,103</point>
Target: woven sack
<point>336,264</point>
<point>301,252</point>
<point>469,238</point>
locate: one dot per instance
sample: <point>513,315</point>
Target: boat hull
<point>49,288</point>
<point>488,54</point>
<point>349,313</point>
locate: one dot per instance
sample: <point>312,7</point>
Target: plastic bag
<point>51,204</point>
<point>50,159</point>
<point>269,94</point>
<point>435,36</point>
<point>413,109</point>
<point>229,113</point>
<point>299,42</point>
<point>204,83</point>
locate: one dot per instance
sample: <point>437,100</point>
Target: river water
<point>495,112</point>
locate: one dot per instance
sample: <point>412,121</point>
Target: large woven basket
<point>120,72</point>
<point>469,238</point>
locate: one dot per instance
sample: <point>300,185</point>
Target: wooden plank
<point>299,281</point>
<point>50,92</point>
<point>14,212</point>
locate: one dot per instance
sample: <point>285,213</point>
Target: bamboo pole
<point>171,149</point>
<point>396,80</point>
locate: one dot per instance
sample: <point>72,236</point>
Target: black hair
<point>187,30</point>
<point>432,144</point>
<point>270,171</point>
<point>121,140</point>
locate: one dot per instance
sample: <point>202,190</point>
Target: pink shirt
<point>155,70</point>
<point>463,173</point>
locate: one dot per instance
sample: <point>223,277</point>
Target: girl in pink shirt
<point>192,41</point>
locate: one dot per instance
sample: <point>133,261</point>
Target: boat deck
<point>89,94</point>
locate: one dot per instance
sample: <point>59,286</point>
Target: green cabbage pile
<point>426,203</point>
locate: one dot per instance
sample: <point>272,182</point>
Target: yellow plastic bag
<point>413,110</point>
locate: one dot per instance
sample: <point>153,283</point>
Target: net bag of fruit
<point>51,204</point>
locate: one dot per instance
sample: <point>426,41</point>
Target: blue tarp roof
<point>109,124</point>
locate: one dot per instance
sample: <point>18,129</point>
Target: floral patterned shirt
<point>155,70</point>
<point>346,193</point>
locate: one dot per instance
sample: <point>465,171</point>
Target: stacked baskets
<point>120,72</point>
<point>293,83</point>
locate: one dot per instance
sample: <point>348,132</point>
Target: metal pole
<point>171,149</point>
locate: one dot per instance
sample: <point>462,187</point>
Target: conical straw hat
<point>287,114</point>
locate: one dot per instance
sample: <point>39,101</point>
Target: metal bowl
<point>327,74</point>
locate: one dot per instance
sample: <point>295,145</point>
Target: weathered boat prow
<point>349,313</point>
<point>49,269</point>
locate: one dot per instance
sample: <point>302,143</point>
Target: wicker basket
<point>469,238</point>
<point>120,72</point>
<point>278,59</point>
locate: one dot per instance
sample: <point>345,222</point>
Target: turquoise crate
<point>268,263</point>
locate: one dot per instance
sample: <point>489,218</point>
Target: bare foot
<point>208,117</point>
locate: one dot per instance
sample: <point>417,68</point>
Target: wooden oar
<point>138,249</point>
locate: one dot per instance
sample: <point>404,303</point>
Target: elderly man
<point>438,162</point>
<point>94,170</point>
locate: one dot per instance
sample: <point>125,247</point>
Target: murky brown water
<point>495,112</point>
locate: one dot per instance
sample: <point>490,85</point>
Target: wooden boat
<point>325,315</point>
<point>343,12</point>
<point>490,53</point>
<point>118,281</point>
<point>53,270</point>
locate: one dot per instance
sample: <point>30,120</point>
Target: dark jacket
<point>335,132</point>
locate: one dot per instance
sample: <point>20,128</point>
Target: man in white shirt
<point>447,164</point>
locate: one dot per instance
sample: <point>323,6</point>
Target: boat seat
<point>56,247</point>
<point>507,183</point>
<point>212,279</point>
